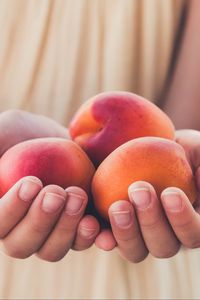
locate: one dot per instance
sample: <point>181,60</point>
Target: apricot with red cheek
<point>110,119</point>
<point>53,160</point>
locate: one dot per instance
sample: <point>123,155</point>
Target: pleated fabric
<point>56,54</point>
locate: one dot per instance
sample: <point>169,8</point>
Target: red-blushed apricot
<point>158,161</point>
<point>53,160</point>
<point>110,119</point>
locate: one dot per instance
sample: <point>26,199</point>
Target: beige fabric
<point>53,56</point>
<point>56,54</point>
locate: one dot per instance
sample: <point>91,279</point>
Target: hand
<point>46,221</point>
<point>147,224</point>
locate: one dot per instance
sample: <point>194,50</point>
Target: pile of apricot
<point>117,138</point>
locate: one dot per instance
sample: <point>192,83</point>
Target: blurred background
<point>55,54</point>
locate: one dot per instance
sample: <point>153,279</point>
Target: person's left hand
<point>147,224</point>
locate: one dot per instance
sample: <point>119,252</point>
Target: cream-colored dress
<point>53,56</point>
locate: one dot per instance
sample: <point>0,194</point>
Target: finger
<point>184,220</point>
<point>126,231</point>
<point>105,240</point>
<point>16,202</point>
<point>87,232</point>
<point>62,237</point>
<point>157,233</point>
<point>28,236</point>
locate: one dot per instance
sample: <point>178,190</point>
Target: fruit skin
<point>158,161</point>
<point>53,160</point>
<point>110,119</point>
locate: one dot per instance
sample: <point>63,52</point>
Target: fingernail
<point>87,232</point>
<point>172,201</point>
<point>52,202</point>
<point>28,190</point>
<point>122,218</point>
<point>74,203</point>
<point>141,197</point>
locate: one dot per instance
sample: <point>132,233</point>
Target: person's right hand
<point>46,221</point>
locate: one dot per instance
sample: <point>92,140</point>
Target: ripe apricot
<point>53,160</point>
<point>110,119</point>
<point>158,161</point>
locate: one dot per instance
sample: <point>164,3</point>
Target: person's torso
<point>54,55</point>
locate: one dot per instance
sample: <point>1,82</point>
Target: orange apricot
<point>158,161</point>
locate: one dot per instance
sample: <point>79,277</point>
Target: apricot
<point>110,119</point>
<point>158,161</point>
<point>53,160</point>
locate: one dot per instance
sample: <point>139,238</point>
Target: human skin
<point>183,88</point>
<point>46,221</point>
<point>180,101</point>
<point>130,243</point>
<point>146,224</point>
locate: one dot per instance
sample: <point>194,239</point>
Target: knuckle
<point>139,259</point>
<point>150,225</point>
<point>15,252</point>
<point>136,258</point>
<point>68,227</point>
<point>40,228</point>
<point>82,246</point>
<point>184,225</point>
<point>167,253</point>
<point>50,256</point>
<point>87,234</point>
<point>77,248</point>
<point>192,243</point>
<point>10,213</point>
<point>3,233</point>
<point>129,237</point>
<point>125,239</point>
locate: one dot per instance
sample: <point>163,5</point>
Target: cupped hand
<point>46,221</point>
<point>146,224</point>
